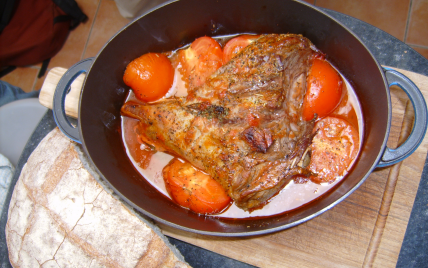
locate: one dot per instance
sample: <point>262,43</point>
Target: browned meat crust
<point>244,126</point>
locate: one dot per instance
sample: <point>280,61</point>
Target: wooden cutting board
<point>366,229</point>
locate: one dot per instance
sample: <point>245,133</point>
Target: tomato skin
<point>235,45</point>
<point>324,90</point>
<point>193,189</point>
<point>200,60</point>
<point>150,76</point>
<point>334,147</point>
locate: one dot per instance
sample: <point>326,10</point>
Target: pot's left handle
<point>392,156</point>
<point>61,91</point>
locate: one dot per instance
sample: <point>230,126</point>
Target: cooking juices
<point>292,196</point>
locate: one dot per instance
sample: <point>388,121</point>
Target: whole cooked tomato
<point>324,90</point>
<point>150,76</point>
<point>200,60</point>
<point>235,45</point>
<point>193,189</point>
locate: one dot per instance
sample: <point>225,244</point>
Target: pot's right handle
<point>59,98</point>
<point>392,156</point>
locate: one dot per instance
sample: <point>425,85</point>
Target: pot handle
<point>393,156</point>
<point>61,92</point>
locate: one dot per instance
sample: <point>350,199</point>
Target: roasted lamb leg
<point>244,126</point>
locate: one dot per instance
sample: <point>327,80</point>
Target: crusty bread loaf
<point>61,216</point>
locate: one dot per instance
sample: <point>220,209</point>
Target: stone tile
<point>421,50</point>
<point>390,16</point>
<point>418,24</point>
<point>72,51</point>
<point>23,77</point>
<point>39,81</point>
<point>107,23</point>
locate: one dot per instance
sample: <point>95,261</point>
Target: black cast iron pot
<point>175,23</point>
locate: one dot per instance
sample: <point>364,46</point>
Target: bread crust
<point>61,216</point>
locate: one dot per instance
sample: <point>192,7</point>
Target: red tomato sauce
<point>141,153</point>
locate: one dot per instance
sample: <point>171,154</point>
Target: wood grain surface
<point>72,98</point>
<point>365,230</point>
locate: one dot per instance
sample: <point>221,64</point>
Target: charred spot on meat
<point>258,139</point>
<point>244,126</point>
